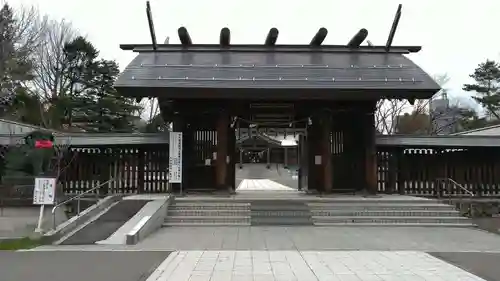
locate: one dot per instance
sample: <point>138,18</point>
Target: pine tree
<point>111,112</point>
<point>93,102</point>
<point>487,86</point>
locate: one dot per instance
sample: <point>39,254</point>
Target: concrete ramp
<point>147,220</point>
<point>105,224</point>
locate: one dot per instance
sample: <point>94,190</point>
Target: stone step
<point>329,224</point>
<point>387,220</point>
<point>371,206</point>
<point>209,206</point>
<point>280,213</point>
<point>204,223</point>
<point>288,221</point>
<point>290,207</point>
<point>208,219</point>
<point>208,212</point>
<point>285,197</point>
<point>384,213</point>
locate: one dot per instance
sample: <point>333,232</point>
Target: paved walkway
<point>262,185</point>
<point>275,173</point>
<point>306,266</point>
<point>309,253</point>
<point>310,239</point>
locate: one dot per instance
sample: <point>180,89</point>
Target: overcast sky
<point>455,35</point>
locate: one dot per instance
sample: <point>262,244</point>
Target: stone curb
<point>149,224</point>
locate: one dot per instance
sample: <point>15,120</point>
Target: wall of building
<point>8,127</point>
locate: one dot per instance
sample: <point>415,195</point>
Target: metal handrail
<point>75,198</point>
<point>470,193</point>
<point>455,184</point>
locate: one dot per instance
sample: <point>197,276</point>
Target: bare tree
<point>426,116</point>
<point>387,113</point>
<point>29,27</point>
<point>50,81</point>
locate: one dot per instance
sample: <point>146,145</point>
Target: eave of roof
<point>89,139</point>
<point>476,130</point>
<point>404,141</point>
<point>264,48</point>
<point>438,141</point>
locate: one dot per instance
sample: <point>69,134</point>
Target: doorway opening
<point>267,162</point>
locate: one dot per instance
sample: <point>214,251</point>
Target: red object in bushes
<point>43,144</point>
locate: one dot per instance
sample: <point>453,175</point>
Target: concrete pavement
<point>315,247</point>
<point>79,265</point>
<point>485,265</point>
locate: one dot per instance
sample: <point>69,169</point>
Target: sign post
<point>43,194</point>
<point>175,158</point>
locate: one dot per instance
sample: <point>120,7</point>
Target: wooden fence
<point>419,171</point>
<point>144,169</point>
<point>131,169</point>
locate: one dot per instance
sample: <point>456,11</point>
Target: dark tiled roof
<point>254,69</point>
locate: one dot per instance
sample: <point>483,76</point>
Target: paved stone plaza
<point>311,239</point>
<point>306,266</point>
<point>316,253</point>
<point>262,185</point>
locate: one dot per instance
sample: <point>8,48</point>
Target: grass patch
<point>19,244</point>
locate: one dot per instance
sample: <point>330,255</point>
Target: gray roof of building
<point>442,141</point>
<point>477,130</point>
<point>278,67</point>
<point>264,137</point>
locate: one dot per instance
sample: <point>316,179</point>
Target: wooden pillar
<point>104,175</point>
<point>241,158</point>
<point>285,156</point>
<point>312,143</point>
<point>188,134</point>
<point>370,149</point>
<point>231,164</point>
<point>392,172</point>
<point>326,152</point>
<point>268,158</point>
<point>222,145</point>
<point>303,161</point>
<point>140,170</point>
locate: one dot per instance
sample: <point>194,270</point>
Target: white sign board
<point>175,157</point>
<point>45,191</point>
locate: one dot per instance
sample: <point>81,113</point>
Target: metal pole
<point>78,207</point>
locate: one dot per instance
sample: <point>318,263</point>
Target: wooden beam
<point>272,37</point>
<point>225,37</point>
<point>151,25</point>
<point>393,28</point>
<point>326,152</point>
<point>370,150</point>
<point>358,38</point>
<point>184,36</point>
<point>319,37</point>
<point>222,153</point>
